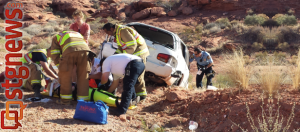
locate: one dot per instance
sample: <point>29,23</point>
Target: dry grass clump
<point>270,78</point>
<point>237,70</point>
<point>295,72</point>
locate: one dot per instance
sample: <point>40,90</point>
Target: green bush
<point>211,25</point>
<point>289,20</point>
<point>255,19</point>
<point>48,29</point>
<point>60,14</point>
<point>223,22</point>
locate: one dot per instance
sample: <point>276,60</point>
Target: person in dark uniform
<point>204,65</point>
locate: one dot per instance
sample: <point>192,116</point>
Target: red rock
<point>183,4</point>
<point>224,97</point>
<point>119,8</point>
<point>172,13</point>
<point>64,110</point>
<point>214,123</point>
<point>142,14</point>
<point>103,20</point>
<point>210,110</point>
<point>229,46</point>
<point>69,6</point>
<point>156,11</point>
<point>129,118</point>
<point>209,100</point>
<point>203,1</point>
<point>129,10</point>
<point>187,10</point>
<point>175,96</point>
<point>122,16</point>
<point>123,117</point>
<point>175,122</point>
<point>89,19</point>
<point>193,2</point>
<point>146,4</point>
<point>201,124</point>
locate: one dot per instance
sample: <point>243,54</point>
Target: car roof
<point>143,24</point>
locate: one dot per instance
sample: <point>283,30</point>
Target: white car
<point>168,61</point>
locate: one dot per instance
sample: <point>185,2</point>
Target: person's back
<point>69,50</point>
<point>116,64</point>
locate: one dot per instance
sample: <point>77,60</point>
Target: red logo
<point>14,15</point>
<point>87,109</point>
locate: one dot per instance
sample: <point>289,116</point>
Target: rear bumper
<point>162,71</point>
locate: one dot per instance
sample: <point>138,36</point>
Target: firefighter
<point>131,42</point>
<point>69,49</point>
<point>131,68</point>
<point>204,65</point>
<point>37,60</point>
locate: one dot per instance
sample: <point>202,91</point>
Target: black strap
<point>92,95</point>
<point>117,102</point>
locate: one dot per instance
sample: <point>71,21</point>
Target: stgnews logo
<point>13,12</point>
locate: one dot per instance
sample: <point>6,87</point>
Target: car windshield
<point>155,35</point>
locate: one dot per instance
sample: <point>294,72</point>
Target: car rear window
<point>156,36</point>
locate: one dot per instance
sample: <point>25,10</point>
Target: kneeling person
<point>123,65</point>
<point>37,61</point>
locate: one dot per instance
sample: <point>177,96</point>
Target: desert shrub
<point>270,23</point>
<point>211,25</point>
<point>45,43</point>
<point>254,34</point>
<point>239,28</point>
<point>33,29</point>
<point>190,34</point>
<point>215,30</point>
<point>255,19</point>
<point>223,22</point>
<point>250,12</point>
<point>283,46</point>
<point>95,25</point>
<point>257,46</point>
<point>290,12</point>
<point>65,21</point>
<point>2,43</point>
<point>237,70</point>
<point>295,72</point>
<point>48,9</point>
<point>3,32</point>
<point>260,58</point>
<point>52,23</point>
<point>281,19</point>
<point>167,4</point>
<point>234,22</point>
<point>48,29</point>
<point>60,14</point>
<point>286,34</point>
<point>96,4</point>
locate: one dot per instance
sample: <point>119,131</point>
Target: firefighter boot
<point>37,91</point>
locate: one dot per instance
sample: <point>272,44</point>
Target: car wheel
<point>179,75</point>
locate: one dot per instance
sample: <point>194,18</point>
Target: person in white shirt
<point>96,74</point>
<point>123,65</point>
